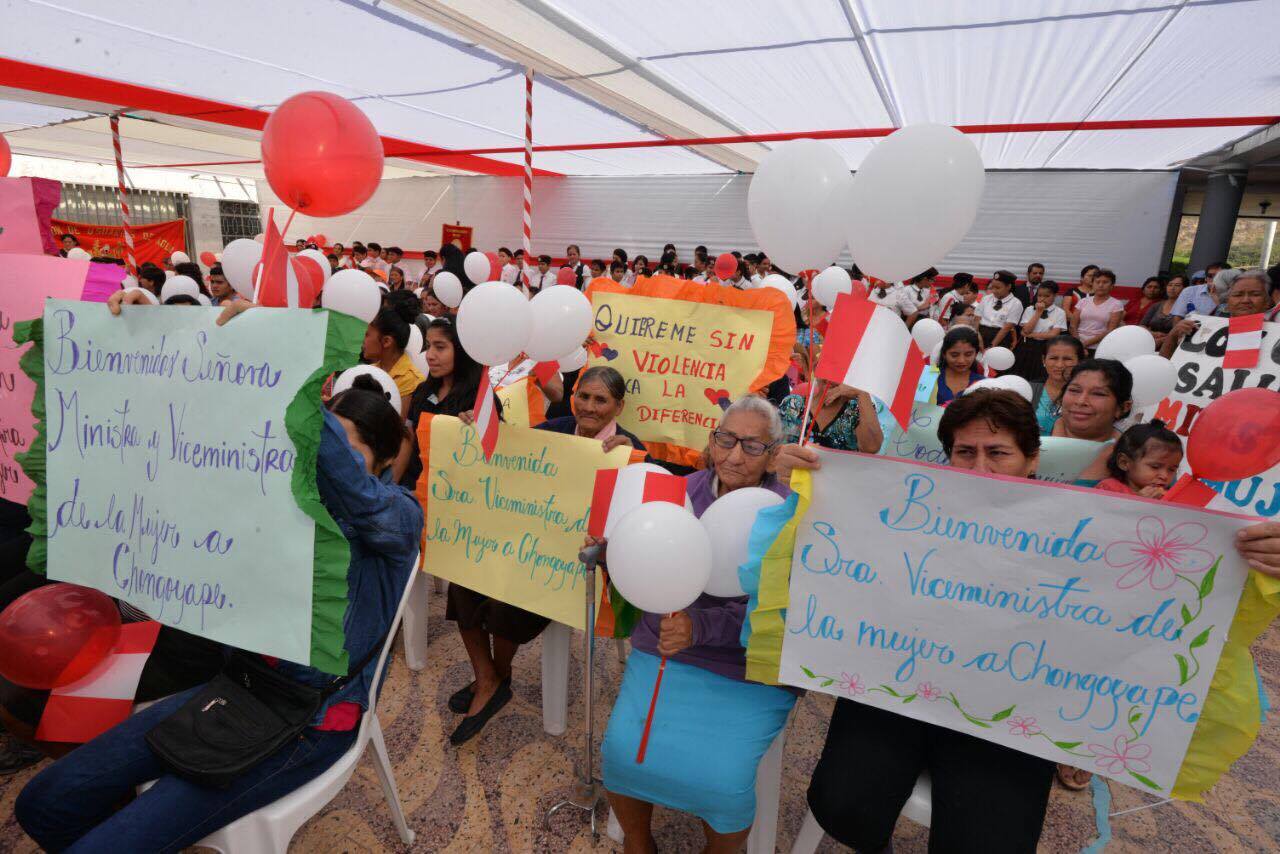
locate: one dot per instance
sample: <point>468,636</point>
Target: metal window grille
<point>239,219</point>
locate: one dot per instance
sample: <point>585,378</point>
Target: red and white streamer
<point>130,263</point>
<point>528,172</point>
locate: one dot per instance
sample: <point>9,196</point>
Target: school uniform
<point>994,313</point>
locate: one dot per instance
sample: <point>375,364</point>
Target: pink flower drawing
<point>1158,556</point>
<point>1122,756</point>
<point>852,685</point>
<point>928,691</point>
<point>1025,727</point>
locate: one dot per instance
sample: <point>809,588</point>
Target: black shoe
<point>15,756</point>
<point>461,699</point>
<point>471,726</point>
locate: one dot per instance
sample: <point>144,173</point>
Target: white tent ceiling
<point>449,74</point>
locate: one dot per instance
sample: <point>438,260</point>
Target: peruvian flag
<point>869,347</point>
<point>1190,492</point>
<point>545,372</point>
<point>620,490</point>
<point>83,710</point>
<point>282,281</point>
<point>1244,341</point>
<point>485,413</point>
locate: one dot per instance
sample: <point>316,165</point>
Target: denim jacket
<point>383,524</point>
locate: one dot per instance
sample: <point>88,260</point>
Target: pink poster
<point>26,205</point>
<point>25,282</point>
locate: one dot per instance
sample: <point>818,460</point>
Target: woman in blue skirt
<point>714,725</point>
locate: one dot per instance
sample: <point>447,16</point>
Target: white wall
<point>1064,219</point>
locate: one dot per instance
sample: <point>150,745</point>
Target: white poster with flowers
<point>1080,626</point>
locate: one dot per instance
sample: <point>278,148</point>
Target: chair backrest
<point>386,648</point>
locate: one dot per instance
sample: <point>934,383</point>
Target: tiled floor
<point>491,795</point>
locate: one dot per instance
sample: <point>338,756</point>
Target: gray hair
<point>1224,280</point>
<point>1251,273</point>
<point>757,406</point>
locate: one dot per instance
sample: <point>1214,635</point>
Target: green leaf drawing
<point>1002,714</point>
<point>808,672</point>
<point>1200,639</point>
<point>1182,668</point>
<point>1145,781</point>
<point>908,699</point>
<point>1186,615</point>
<point>1206,584</point>
<point>1067,745</point>
<point>891,691</point>
<point>826,682</point>
<point>1135,717</point>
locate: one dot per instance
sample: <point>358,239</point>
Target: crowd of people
<point>717,725</point>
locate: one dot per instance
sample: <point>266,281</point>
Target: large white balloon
<point>628,493</point>
<point>494,323</point>
<point>389,390</point>
<point>319,257</point>
<point>998,358</point>
<point>447,288</point>
<point>782,283</point>
<point>914,198</point>
<point>561,320</point>
<point>179,258</point>
<point>1153,378</point>
<point>179,285</point>
<point>830,283</point>
<point>728,522</point>
<point>659,557</point>
<point>414,349</point>
<point>1125,342</point>
<point>797,204</point>
<point>238,260</point>
<point>477,267</point>
<point>573,361</point>
<point>352,292</point>
<point>928,333</point>
<point>935,355</point>
<point>1012,382</point>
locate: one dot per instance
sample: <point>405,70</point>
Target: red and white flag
<point>620,490</point>
<point>1244,341</point>
<point>83,710</point>
<point>545,372</point>
<point>485,413</point>
<point>283,281</point>
<point>870,348</point>
<point>1190,492</point>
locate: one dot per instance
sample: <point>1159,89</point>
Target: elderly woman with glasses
<point>714,726</point>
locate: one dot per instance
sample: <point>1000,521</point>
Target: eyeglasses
<point>750,447</point>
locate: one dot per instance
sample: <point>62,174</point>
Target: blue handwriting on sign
<point>825,558</point>
<point>916,648</point>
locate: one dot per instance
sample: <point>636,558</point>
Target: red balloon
<point>1236,436</point>
<point>726,266</point>
<point>6,156</point>
<point>566,276</point>
<point>321,154</point>
<point>56,634</point>
<point>207,259</point>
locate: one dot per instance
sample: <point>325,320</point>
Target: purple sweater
<point>717,622</point>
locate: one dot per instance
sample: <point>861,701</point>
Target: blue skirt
<point>709,734</point>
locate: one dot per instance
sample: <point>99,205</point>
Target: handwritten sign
<point>1061,458</point>
<point>1202,380</point>
<point>1089,640</point>
<point>511,527</point>
<point>26,205</point>
<point>169,466</point>
<point>25,282</point>
<point>687,351</point>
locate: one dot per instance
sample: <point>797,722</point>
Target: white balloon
<point>998,358</point>
<point>319,257</point>
<point>238,260</point>
<point>389,390</point>
<point>782,283</point>
<point>204,300</point>
<point>78,253</point>
<point>914,198</point>
<point>1125,342</point>
<point>169,274</point>
<point>935,355</point>
<point>728,523</point>
<point>1014,383</point>
<point>1153,378</point>
<point>573,361</point>
<point>146,293</point>
<point>414,349</point>
<point>476,266</point>
<point>352,292</point>
<point>928,333</point>
<point>660,557</point>
<point>830,283</point>
<point>494,323</point>
<point>179,285</point>
<point>989,382</point>
<point>448,288</point>
<point>561,319</point>
<point>797,204</point>
<point>179,258</point>
<point>628,493</point>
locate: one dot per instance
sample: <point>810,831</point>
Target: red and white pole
<point>130,263</point>
<point>528,170</point>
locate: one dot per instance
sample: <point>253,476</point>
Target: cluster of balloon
<point>321,154</point>
<point>482,267</point>
<point>496,323</point>
<point>1235,436</point>
<point>56,635</point>
<point>1154,376</point>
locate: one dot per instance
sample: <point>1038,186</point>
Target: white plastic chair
<point>919,808</point>
<point>269,829</point>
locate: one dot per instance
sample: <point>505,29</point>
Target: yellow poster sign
<point>688,350</point>
<point>511,527</point>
